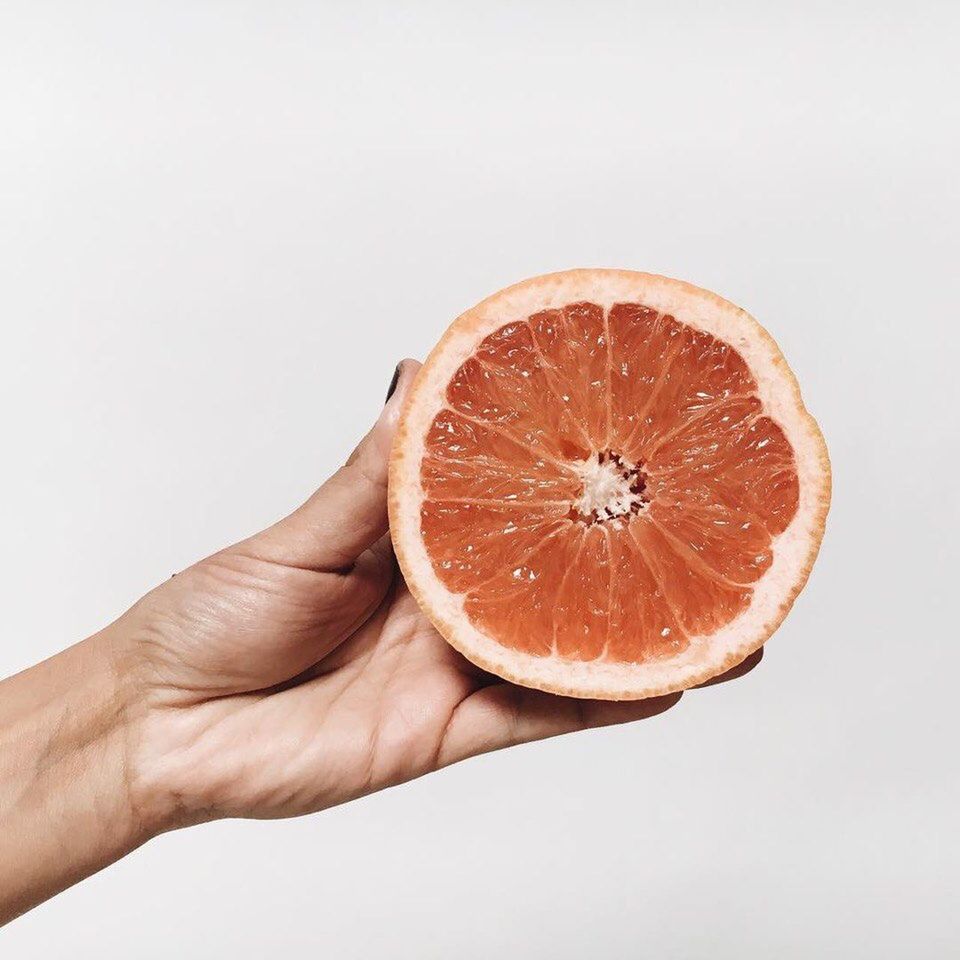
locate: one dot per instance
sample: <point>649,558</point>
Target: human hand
<point>294,671</point>
<point>282,675</point>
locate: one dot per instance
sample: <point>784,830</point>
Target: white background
<point>221,224</point>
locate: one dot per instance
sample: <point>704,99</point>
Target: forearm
<point>65,809</point>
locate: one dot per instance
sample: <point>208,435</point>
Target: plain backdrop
<point>221,225</point>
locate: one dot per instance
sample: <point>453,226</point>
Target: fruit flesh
<point>603,484</point>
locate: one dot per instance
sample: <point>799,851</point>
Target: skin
<point>285,674</point>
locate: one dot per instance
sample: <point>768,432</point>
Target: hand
<point>294,671</point>
<point>285,674</point>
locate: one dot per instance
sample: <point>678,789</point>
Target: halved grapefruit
<point>605,484</point>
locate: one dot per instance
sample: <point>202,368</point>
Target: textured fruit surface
<point>660,427</point>
<point>600,482</point>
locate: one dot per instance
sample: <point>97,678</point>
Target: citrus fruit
<point>605,484</point>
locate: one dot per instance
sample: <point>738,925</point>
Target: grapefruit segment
<point>701,600</point>
<point>472,460</point>
<point>605,484</point>
<point>505,383</point>
<point>573,342</point>
<point>730,542</point>
<point>643,626</point>
<point>472,543</point>
<point>517,605</point>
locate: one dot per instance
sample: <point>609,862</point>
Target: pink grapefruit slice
<point>605,484</point>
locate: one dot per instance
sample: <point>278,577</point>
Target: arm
<point>64,804</point>
<point>283,675</point>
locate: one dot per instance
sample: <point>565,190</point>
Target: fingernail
<point>393,383</point>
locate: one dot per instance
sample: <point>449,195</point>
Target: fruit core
<point>612,487</point>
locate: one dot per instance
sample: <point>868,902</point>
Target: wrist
<point>66,806</point>
<point>140,722</point>
<point>164,788</point>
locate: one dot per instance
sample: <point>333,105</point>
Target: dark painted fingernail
<point>393,383</point>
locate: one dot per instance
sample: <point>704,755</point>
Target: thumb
<point>348,513</point>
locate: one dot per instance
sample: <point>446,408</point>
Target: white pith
<point>606,491</point>
<point>793,551</point>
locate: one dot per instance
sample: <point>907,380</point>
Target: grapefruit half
<point>605,484</point>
